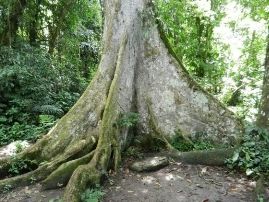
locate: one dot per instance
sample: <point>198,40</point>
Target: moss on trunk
<point>136,71</point>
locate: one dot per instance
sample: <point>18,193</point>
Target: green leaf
<point>235,157</point>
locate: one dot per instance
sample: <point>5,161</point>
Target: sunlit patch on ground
<point>179,182</point>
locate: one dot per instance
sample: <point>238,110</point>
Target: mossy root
<point>83,176</point>
<point>214,157</point>
<point>62,174</point>
<point>27,178</point>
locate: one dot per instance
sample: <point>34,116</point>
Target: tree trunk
<point>138,72</point>
<point>56,26</point>
<point>263,115</point>
<point>33,25</point>
<point>9,32</point>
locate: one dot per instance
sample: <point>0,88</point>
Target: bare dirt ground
<point>174,183</point>
<point>31,194</point>
<point>177,182</point>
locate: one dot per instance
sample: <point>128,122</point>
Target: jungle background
<point>50,50</point>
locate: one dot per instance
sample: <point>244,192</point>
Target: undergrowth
<point>252,156</point>
<point>127,120</point>
<point>19,166</point>
<point>35,90</point>
<point>184,144</point>
<point>93,194</point>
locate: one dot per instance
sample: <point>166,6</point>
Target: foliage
<point>6,188</point>
<point>20,166</point>
<point>35,90</point>
<point>19,147</point>
<point>128,120</point>
<point>45,63</point>
<point>260,199</point>
<point>202,145</point>
<point>246,93</point>
<point>195,32</point>
<point>183,144</point>
<point>259,9</point>
<point>134,152</point>
<point>253,155</point>
<point>190,32</point>
<point>93,194</point>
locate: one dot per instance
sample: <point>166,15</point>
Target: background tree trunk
<point>138,72</point>
<point>34,22</point>
<point>263,115</point>
<point>56,26</point>
<point>9,32</point>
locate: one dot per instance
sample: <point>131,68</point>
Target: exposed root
<point>47,168</point>
<point>31,153</point>
<point>67,150</point>
<point>83,176</point>
<point>91,173</point>
<point>108,143</point>
<point>28,178</point>
<point>61,175</point>
<point>215,157</point>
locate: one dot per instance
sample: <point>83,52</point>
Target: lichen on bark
<point>137,72</point>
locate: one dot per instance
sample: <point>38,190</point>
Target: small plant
<point>260,199</point>
<point>33,180</point>
<point>19,147</point>
<point>183,144</point>
<point>127,120</point>
<point>19,166</point>
<point>133,152</point>
<point>7,188</point>
<point>253,155</point>
<point>202,145</point>
<point>93,195</point>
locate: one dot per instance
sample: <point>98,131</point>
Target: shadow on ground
<point>174,183</point>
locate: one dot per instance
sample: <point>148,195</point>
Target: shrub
<point>253,155</point>
<point>35,90</point>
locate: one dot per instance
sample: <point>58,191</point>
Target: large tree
<point>263,115</point>
<point>138,73</point>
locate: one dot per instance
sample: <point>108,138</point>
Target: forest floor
<point>174,183</point>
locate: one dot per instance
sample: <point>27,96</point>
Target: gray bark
<point>148,80</point>
<point>263,115</point>
<point>138,72</point>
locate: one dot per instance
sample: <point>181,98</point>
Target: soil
<point>175,183</point>
<point>31,194</point>
<point>180,183</point>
